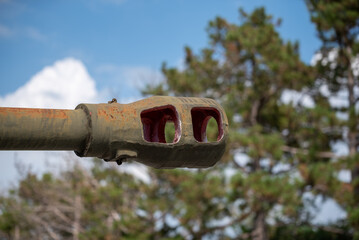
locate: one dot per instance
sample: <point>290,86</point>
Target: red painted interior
<point>154,121</point>
<point>200,117</point>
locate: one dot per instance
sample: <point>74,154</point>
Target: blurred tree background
<point>288,147</point>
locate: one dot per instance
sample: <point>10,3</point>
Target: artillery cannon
<point>117,132</point>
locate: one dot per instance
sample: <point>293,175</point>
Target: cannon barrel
<point>42,129</point>
<point>117,132</point>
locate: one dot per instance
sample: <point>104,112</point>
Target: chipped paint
<point>119,132</point>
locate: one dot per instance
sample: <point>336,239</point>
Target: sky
<point>57,54</point>
<point>123,43</point>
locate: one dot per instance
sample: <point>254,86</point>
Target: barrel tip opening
<point>200,118</point>
<point>154,122</point>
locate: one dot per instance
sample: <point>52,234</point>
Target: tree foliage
<point>281,149</point>
<point>337,65</point>
<point>288,145</point>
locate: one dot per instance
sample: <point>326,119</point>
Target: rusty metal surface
<point>117,132</point>
<point>42,129</point>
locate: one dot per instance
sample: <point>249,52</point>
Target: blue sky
<point>114,39</point>
<point>60,53</point>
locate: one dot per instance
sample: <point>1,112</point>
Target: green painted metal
<point>118,132</point>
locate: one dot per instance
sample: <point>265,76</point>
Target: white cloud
<point>295,97</point>
<point>332,58</point>
<point>127,81</point>
<point>242,159</point>
<point>345,175</point>
<point>140,76</point>
<point>355,65</point>
<point>324,210</point>
<point>62,85</point>
<point>339,99</point>
<point>134,76</point>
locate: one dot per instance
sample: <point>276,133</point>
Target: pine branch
<point>332,229</point>
<point>282,171</point>
<point>295,151</point>
<point>47,227</point>
<point>239,166</point>
<point>230,223</point>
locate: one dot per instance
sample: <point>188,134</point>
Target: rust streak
<point>36,113</point>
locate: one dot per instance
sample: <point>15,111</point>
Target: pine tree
<point>337,25</point>
<point>278,150</point>
<point>76,203</point>
<point>247,68</point>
